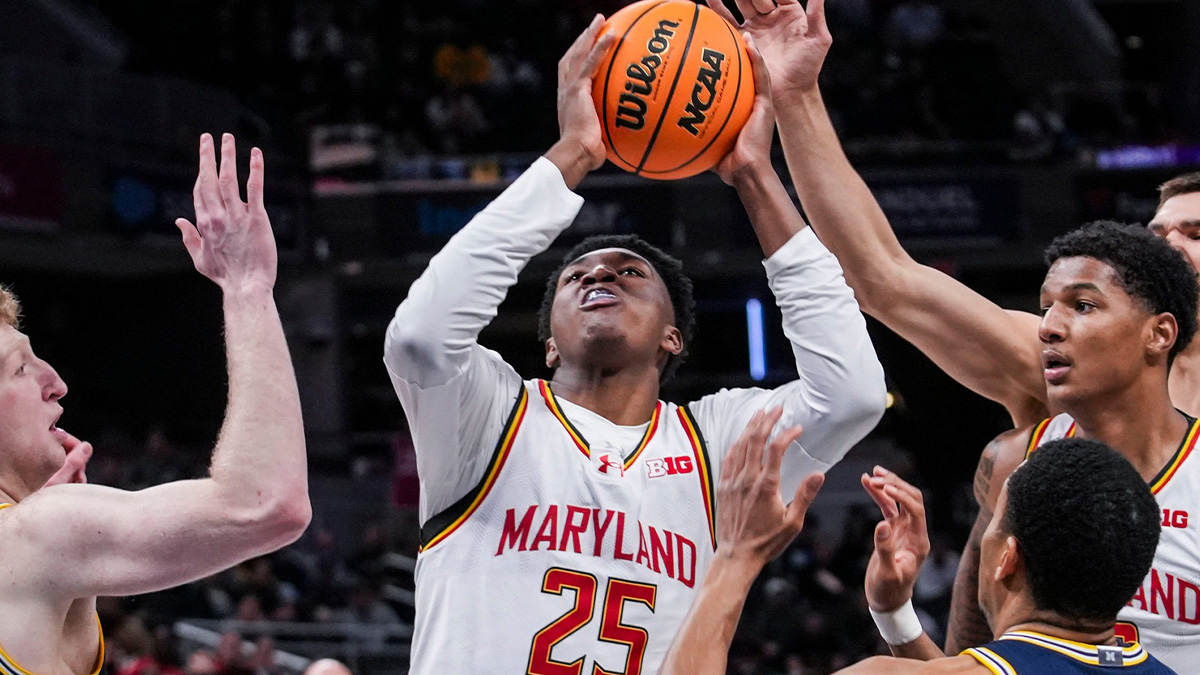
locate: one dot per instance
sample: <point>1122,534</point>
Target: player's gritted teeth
<point>1054,366</point>
<point>594,298</point>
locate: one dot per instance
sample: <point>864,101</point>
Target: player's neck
<point>1143,426</point>
<point>1185,380</point>
<point>625,397</point>
<point>1066,629</point>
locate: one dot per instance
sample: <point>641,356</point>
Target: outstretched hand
<point>901,540</point>
<point>753,147</point>
<point>793,40</point>
<point>231,242</point>
<point>753,523</point>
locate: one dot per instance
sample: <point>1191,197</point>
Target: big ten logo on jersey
<point>1175,518</point>
<point>669,466</point>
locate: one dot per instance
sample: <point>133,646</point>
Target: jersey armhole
<point>442,524</point>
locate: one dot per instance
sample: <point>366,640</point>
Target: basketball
<point>674,90</point>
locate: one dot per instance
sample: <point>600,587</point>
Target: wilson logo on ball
<point>674,90</point>
<point>631,107</point>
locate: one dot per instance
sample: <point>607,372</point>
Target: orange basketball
<point>674,90</point>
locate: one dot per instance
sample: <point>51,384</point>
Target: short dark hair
<point>1147,266</point>
<point>668,267</point>
<point>1087,527</point>
<point>1179,185</point>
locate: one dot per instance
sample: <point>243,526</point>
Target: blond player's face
<point>31,447</point>
<point>1178,221</point>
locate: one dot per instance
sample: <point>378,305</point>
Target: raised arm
<point>79,540</point>
<point>968,626</point>
<point>839,394</point>
<point>990,350</point>
<point>456,394</point>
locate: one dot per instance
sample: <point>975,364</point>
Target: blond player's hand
<point>753,147</point>
<point>901,540</point>
<point>74,470</point>
<point>578,121</point>
<point>793,40</point>
<point>231,241</point>
<point>753,522</point>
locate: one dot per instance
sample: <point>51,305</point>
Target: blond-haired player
<point>65,541</point>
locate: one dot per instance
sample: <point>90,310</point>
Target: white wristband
<point>899,626</point>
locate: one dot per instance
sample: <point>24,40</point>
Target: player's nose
<point>601,272</point>
<point>1053,328</point>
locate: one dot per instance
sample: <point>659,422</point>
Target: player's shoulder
<point>999,459</point>
<point>890,665</point>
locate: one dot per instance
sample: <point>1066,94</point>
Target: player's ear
<point>1010,558</point>
<point>551,354</point>
<point>1163,331</point>
<point>672,341</point>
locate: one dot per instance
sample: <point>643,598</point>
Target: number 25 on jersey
<point>585,587</point>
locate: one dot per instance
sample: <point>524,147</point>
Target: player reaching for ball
<point>566,523</point>
<point>66,542</point>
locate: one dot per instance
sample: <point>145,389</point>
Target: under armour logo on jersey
<point>611,465</point>
<point>1110,657</point>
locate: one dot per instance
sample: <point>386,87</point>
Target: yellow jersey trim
<point>990,660</point>
<point>489,480</point>
<point>1172,467</point>
<point>580,442</point>
<point>1080,651</point>
<point>700,453</point>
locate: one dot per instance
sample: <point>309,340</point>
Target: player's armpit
<point>968,626</point>
<point>79,540</point>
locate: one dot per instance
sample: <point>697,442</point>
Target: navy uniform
<point>1025,652</point>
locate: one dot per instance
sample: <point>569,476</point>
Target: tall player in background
<point>995,352</point>
<point>1053,604</point>
<point>567,523</point>
<point>67,542</point>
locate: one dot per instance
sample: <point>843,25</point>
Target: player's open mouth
<point>599,297</point>
<point>1054,366</point>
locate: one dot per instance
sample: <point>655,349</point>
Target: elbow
<point>287,520</point>
<point>409,348</point>
<point>880,289</point>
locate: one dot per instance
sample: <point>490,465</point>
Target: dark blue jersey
<point>1025,652</point>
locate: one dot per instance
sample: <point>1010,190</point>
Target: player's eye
<point>574,276</point>
<point>21,369</point>
<point>1084,307</point>
<point>633,270</point>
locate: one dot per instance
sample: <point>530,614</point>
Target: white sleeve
<point>455,393</point>
<point>840,393</point>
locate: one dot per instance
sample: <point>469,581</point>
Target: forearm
<point>840,393</point>
<point>260,460</point>
<point>457,296</point>
<point>968,626</point>
<point>839,205</point>
<point>772,213</point>
<point>701,647</point>
<point>921,649</point>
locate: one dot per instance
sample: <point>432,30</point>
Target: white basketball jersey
<point>565,559</point>
<point>1164,614</point>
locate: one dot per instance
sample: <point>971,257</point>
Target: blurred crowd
<point>396,83</point>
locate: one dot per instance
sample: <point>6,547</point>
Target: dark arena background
<point>983,128</point>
